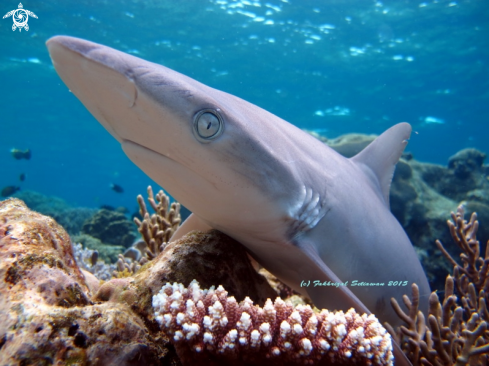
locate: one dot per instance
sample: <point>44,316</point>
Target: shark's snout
<point>107,93</point>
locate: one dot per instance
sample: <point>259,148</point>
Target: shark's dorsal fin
<point>379,159</point>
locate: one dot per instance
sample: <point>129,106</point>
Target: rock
<point>48,316</point>
<point>71,218</point>
<point>422,197</point>
<point>212,259</point>
<point>111,227</point>
<point>465,162</point>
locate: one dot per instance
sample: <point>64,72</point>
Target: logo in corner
<point>20,17</point>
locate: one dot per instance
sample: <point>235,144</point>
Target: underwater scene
<point>244,182</point>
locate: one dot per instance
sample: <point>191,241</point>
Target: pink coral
<point>215,327</point>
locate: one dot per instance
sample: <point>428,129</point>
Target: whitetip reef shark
<point>305,212</point>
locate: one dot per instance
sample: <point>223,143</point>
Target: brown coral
<point>457,330</point>
<point>209,327</point>
<point>158,228</point>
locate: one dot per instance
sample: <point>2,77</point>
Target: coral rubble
<point>209,328</point>
<point>457,329</point>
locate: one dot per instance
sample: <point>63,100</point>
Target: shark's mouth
<point>125,143</point>
<point>180,180</point>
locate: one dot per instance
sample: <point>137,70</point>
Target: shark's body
<point>304,211</point>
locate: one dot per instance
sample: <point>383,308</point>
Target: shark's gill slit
<point>208,125</point>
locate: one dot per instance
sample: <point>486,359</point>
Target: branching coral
<point>158,228</point>
<point>126,266</point>
<point>457,329</point>
<point>213,326</point>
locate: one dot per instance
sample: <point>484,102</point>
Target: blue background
<point>378,63</point>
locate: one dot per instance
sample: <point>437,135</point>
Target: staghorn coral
<point>457,329</point>
<point>158,228</point>
<point>208,327</point>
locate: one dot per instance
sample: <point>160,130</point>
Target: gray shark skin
<point>305,212</point>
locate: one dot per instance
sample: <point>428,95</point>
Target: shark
<point>318,221</point>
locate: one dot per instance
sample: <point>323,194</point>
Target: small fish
<point>22,177</point>
<point>9,190</point>
<point>116,188</point>
<point>21,154</point>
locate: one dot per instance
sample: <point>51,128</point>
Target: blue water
<point>335,66</point>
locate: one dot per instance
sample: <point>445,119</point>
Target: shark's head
<point>213,152</point>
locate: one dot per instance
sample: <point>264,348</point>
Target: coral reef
<point>423,195</point>
<point>48,316</point>
<point>158,228</point>
<point>87,260</point>
<point>54,313</point>
<point>110,227</point>
<point>127,266</point>
<point>209,328</point>
<point>457,329</point>
<point>350,144</point>
<point>107,252</point>
<point>210,258</point>
<point>71,218</point>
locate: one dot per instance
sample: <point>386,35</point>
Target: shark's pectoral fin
<point>320,275</point>
<point>341,297</point>
<point>379,159</point>
<point>191,223</point>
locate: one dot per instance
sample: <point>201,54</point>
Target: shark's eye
<point>208,125</point>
